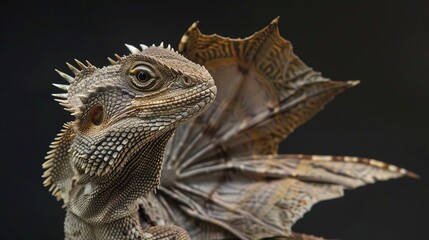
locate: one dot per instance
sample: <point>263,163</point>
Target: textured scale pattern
<point>110,157</point>
<point>183,145</point>
<point>222,168</point>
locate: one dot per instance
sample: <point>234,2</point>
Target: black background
<point>383,43</point>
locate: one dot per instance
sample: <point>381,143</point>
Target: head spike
<point>118,57</point>
<point>161,44</point>
<point>81,65</point>
<point>168,46</point>
<point>47,181</point>
<point>132,49</point>
<point>61,86</point>
<point>68,109</point>
<point>83,98</point>
<point>89,64</point>
<point>66,106</point>
<point>143,46</point>
<point>62,101</point>
<point>68,78</point>
<point>60,95</point>
<point>73,69</point>
<point>77,114</point>
<point>111,61</point>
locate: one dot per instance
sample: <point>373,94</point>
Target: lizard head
<point>135,100</point>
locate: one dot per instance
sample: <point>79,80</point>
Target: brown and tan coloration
<point>219,176</point>
<point>111,155</point>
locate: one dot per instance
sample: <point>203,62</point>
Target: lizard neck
<point>115,195</point>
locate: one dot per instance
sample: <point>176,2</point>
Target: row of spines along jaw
<point>50,163</point>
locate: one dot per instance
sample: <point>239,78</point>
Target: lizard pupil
<point>142,76</point>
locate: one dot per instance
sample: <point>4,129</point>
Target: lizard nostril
<point>186,81</point>
<point>97,115</point>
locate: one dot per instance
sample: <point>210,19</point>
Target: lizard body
<point>151,121</point>
<point>111,155</point>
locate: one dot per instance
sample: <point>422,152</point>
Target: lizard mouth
<point>191,103</point>
<point>202,102</point>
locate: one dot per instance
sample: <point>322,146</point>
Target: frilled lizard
<point>150,121</point>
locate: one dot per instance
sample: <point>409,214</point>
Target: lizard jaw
<point>98,162</point>
<point>178,109</point>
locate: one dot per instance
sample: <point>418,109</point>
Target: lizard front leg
<point>126,228</point>
<point>77,229</point>
<point>129,228</point>
<point>166,232</point>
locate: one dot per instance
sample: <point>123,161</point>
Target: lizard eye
<point>143,78</point>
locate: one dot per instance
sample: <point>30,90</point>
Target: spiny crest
<point>135,50</point>
<point>52,162</point>
<point>87,69</point>
<point>62,98</point>
<point>163,55</point>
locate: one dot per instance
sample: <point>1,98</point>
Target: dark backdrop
<point>383,43</point>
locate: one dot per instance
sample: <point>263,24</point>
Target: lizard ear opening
<point>97,115</point>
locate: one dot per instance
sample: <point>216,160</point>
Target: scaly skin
<point>222,176</point>
<point>111,155</point>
